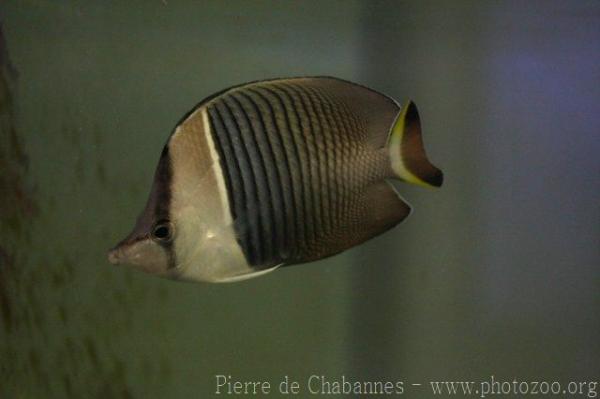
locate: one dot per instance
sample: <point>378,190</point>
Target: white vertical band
<point>217,168</point>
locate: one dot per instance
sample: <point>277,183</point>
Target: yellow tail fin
<point>407,154</point>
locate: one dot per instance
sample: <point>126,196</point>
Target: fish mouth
<point>115,256</point>
<point>118,254</point>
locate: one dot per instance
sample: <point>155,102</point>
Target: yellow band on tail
<point>407,154</point>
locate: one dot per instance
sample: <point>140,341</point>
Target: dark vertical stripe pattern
<point>282,163</point>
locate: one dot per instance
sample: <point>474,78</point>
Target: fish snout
<point>115,255</point>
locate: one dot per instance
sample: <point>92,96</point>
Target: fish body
<point>276,173</point>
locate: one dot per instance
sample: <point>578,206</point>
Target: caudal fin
<point>409,161</point>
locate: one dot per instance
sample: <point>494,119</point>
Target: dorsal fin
<point>375,111</point>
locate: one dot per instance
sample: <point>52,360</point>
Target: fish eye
<point>162,231</point>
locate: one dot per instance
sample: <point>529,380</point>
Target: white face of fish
<point>186,231</point>
<point>196,243</point>
<point>205,245</point>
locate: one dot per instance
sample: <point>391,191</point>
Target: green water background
<point>497,273</point>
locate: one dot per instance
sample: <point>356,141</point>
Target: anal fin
<point>377,209</point>
<point>383,209</point>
